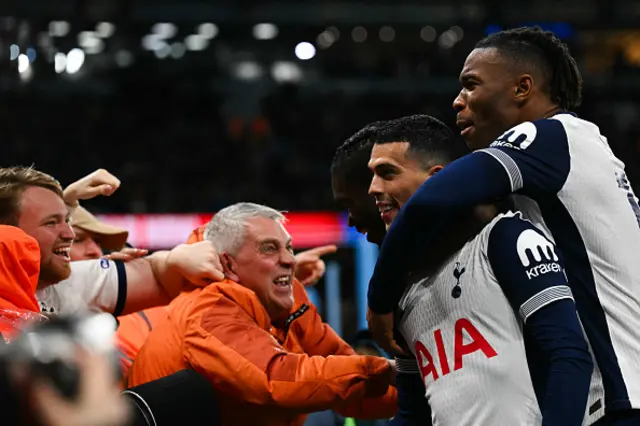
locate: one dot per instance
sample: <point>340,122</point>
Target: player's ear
<point>434,169</point>
<point>523,88</point>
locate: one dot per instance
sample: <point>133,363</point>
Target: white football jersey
<point>571,185</point>
<point>94,285</point>
<point>465,325</point>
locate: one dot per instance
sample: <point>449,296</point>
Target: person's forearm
<point>557,335</point>
<point>166,273</point>
<point>427,217</point>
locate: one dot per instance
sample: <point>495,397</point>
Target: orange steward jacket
<point>264,374</point>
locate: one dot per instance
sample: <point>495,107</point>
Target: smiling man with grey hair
<point>227,229</point>
<point>269,360</point>
<point>256,251</point>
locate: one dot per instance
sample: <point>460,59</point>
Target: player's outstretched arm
<point>530,271</point>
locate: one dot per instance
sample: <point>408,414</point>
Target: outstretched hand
<point>309,264</point>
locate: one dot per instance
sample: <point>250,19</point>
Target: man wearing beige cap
<point>94,237</point>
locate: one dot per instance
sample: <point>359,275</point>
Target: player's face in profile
<point>396,176</point>
<point>485,105</point>
<point>352,195</point>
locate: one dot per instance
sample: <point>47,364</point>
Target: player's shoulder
<point>510,229</point>
<point>543,131</point>
<point>510,232</point>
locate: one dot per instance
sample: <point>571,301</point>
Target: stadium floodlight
<point>305,51</point>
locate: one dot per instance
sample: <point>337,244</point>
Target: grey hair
<point>226,230</point>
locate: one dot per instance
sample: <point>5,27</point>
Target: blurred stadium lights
<point>153,42</point>
<point>447,39</point>
<point>165,30</point>
<point>59,28</point>
<point>60,62</point>
<point>265,31</point>
<point>305,51</point>
<point>178,50</point>
<point>31,54</point>
<point>14,51</point>
<point>325,39</point>
<point>387,34</point>
<point>105,29</point>
<point>27,75</point>
<point>428,34</point>
<point>163,52</point>
<point>196,42</point>
<point>95,48</point>
<point>247,70</point>
<point>90,42</point>
<point>334,32</point>
<point>459,32</point>
<point>23,63</point>
<point>286,72</point>
<point>359,34</point>
<point>75,59</point>
<point>208,30</point>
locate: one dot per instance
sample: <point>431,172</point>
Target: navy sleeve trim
<point>543,298</point>
<point>122,287</point>
<point>535,155</point>
<point>510,166</point>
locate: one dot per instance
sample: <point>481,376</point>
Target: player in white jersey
<point>350,180</point>
<point>493,327</point>
<point>521,83</point>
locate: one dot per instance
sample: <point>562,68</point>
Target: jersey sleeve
<point>527,266</point>
<point>98,284</point>
<point>535,156</point>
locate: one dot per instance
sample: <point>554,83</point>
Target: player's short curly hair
<point>533,47</point>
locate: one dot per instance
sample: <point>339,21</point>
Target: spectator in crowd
<point>33,201</point>
<point>267,356</point>
<point>93,237</point>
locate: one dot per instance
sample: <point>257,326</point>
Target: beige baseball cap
<point>111,237</point>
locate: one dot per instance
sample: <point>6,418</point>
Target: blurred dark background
<point>198,104</point>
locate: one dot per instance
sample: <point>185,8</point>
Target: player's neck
<point>540,111</point>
